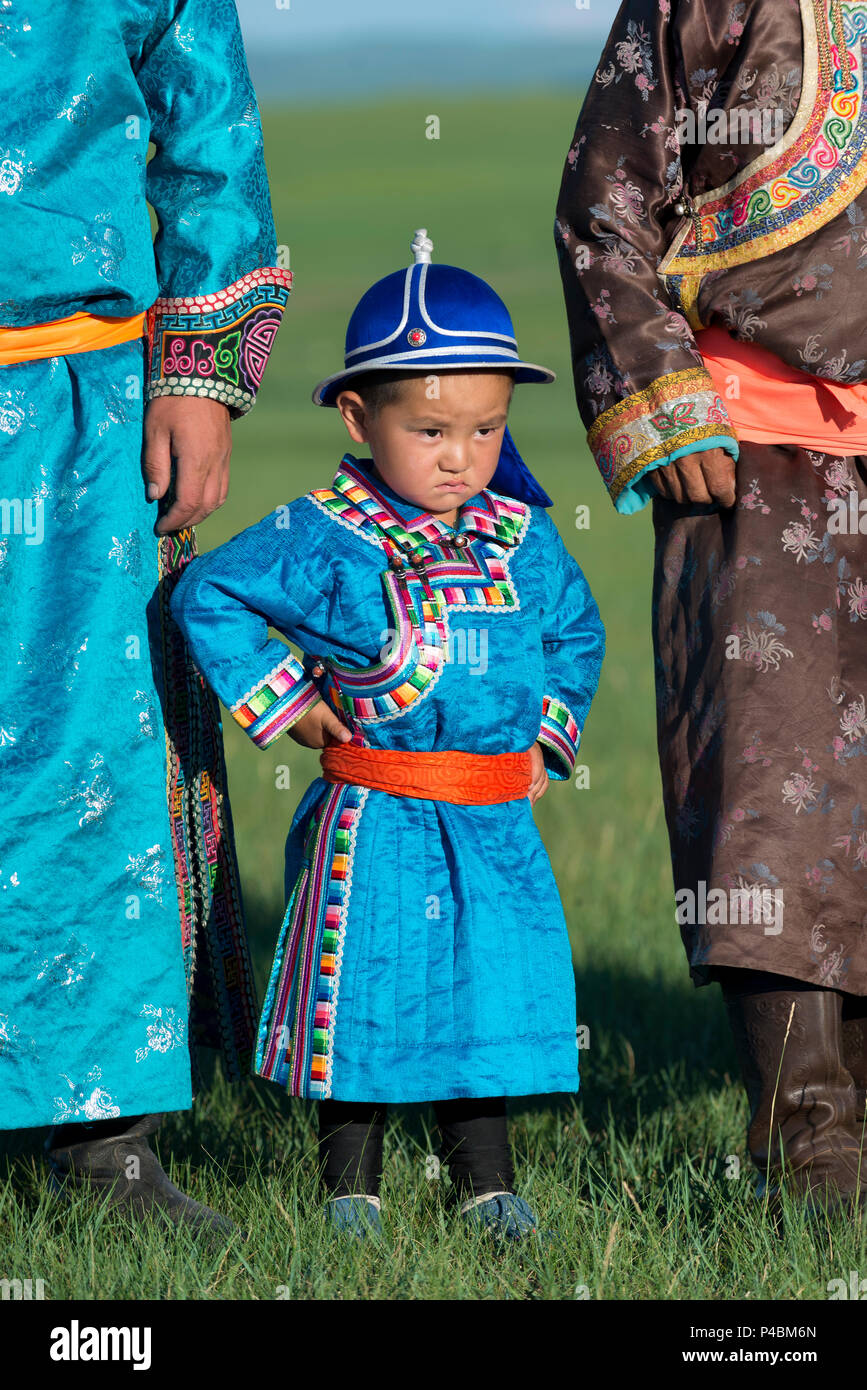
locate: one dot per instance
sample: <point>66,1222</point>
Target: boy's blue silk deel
<point>424,952</point>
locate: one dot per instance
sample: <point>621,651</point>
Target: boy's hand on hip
<point>708,476</point>
<point>538,772</point>
<point>319,727</point>
<point>195,433</point>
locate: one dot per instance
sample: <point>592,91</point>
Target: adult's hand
<point>197,433</point>
<point>708,476</point>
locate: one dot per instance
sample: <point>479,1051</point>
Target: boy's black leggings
<point>475,1145</point>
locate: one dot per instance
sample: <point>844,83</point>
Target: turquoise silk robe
<point>119,896</point>
<point>424,952</point>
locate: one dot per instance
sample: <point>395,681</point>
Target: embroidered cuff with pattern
<point>560,735</point>
<point>667,416</point>
<point>276,703</point>
<point>217,345</point>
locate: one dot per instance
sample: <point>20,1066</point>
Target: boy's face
<point>439,443</point>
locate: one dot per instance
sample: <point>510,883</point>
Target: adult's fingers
<point>693,486</point>
<point>659,478</point>
<point>157,461</point>
<point>703,477</point>
<point>719,473</point>
<point>200,484</point>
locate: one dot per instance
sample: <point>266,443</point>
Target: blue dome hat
<point>430,317</point>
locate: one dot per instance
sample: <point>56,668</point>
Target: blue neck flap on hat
<point>514,479</point>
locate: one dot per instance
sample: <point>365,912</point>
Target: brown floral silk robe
<point>658,238</point>
<point>760,610</point>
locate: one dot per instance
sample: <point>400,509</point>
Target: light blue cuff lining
<point>640,490</point>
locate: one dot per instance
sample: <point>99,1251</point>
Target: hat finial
<point>422,246</point>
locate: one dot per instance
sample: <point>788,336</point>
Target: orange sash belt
<point>77,333</point>
<point>779,404</point>
<point>470,779</point>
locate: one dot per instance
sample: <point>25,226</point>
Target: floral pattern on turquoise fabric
<point>167,1030</point>
<point>67,967</point>
<point>15,1042</point>
<point>217,345</point>
<point>88,1099</point>
<point>74,154</point>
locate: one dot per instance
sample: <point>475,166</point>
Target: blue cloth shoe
<point>504,1214</point>
<point>356,1215</point>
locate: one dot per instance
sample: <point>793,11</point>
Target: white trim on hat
<point>455,332</point>
<point>451,350</point>
<point>383,342</point>
<point>400,361</point>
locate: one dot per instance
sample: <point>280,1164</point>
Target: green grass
<point>629,1182</point>
<point>631,1175</point>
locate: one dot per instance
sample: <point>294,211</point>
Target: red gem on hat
<point>416,337</point>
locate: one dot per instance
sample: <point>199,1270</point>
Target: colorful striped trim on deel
<point>353,498</point>
<point>804,180</point>
<point>559,731</point>
<point>296,1032</point>
<point>276,703</point>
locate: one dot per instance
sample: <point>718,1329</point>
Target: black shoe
<point>113,1159</point>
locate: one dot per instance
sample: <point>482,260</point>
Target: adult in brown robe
<point>669,222</point>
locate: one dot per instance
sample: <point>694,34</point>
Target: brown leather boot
<point>855,1047</point>
<point>113,1159</point>
<point>804,1125</point>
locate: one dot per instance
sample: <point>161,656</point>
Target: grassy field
<point>631,1176</point>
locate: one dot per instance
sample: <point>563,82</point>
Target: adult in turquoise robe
<point>119,898</point>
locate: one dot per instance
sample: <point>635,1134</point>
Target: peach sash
<point>77,333</point>
<point>471,779</point>
<point>778,404</point>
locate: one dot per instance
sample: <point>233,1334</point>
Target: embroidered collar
<point>413,519</point>
<point>363,501</point>
<point>797,185</point>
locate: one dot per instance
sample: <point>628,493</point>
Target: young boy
<point>451,651</point>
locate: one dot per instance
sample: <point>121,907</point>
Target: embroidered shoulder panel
<point>802,182</point>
